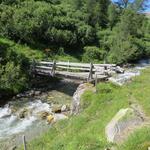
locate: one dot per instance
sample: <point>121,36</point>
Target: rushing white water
<point>37,107</point>
<point>120,79</point>
<point>11,124</point>
<point>4,112</point>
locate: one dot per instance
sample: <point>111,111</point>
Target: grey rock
<point>75,106</point>
<point>123,123</point>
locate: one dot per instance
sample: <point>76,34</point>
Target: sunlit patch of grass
<point>23,49</point>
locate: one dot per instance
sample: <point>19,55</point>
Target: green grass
<point>37,54</point>
<point>23,49</point>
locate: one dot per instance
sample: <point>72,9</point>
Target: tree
<point>127,44</point>
<point>112,15</point>
<point>124,51</point>
<point>97,12</point>
<point>130,24</point>
<point>78,4</point>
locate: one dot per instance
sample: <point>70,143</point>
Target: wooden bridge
<point>81,71</point>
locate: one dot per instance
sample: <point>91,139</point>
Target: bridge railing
<point>79,70</point>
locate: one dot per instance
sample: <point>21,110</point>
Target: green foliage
<point>92,54</point>
<point>130,24</point>
<point>97,12</point>
<point>112,15</point>
<point>43,22</point>
<point>73,25</point>
<point>11,78</point>
<point>127,43</point>
<point>13,71</point>
<point>125,51</point>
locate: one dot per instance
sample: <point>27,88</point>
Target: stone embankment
<point>75,106</point>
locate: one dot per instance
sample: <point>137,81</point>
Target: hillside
<point>86,131</point>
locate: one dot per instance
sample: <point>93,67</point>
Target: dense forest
<point>91,30</point>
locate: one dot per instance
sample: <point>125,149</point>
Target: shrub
<point>123,51</point>
<point>14,69</point>
<point>12,78</point>
<point>92,54</point>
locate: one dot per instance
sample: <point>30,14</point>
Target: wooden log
<point>45,63</point>
<point>24,142</point>
<point>73,68</point>
<point>77,64</point>
<point>90,72</point>
<point>72,75</point>
<point>53,68</point>
<point>96,82</point>
<point>68,65</point>
<point>73,64</point>
<point>33,65</point>
<point>103,65</point>
<point>65,64</point>
<point>43,67</point>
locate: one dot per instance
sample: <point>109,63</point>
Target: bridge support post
<point>33,66</point>
<point>96,82</point>
<point>68,66</point>
<point>24,142</point>
<point>53,68</point>
<point>90,77</point>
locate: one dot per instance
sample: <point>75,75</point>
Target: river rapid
<point>22,116</point>
<point>130,72</point>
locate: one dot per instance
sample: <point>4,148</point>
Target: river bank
<point>25,114</point>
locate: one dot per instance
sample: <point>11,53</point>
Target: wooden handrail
<point>70,69</point>
<point>76,64</point>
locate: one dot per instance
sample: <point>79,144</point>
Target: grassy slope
<point>23,49</point>
<point>35,53</point>
<point>87,130</point>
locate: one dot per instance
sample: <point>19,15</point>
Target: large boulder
<point>75,106</point>
<point>123,123</point>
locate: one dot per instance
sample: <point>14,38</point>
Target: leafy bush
<point>125,51</point>
<point>14,69</point>
<point>92,54</point>
<point>11,78</point>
